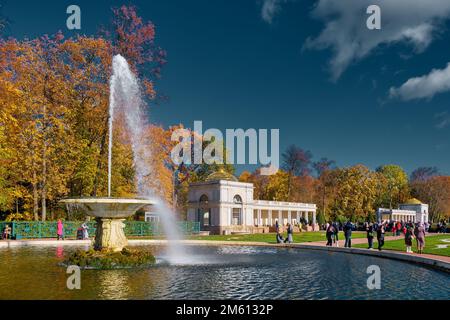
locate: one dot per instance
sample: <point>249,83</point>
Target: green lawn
<point>431,245</point>
<point>270,237</point>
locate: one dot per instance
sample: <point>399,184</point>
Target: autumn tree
<point>134,39</point>
<point>356,193</point>
<point>424,173</point>
<point>296,162</point>
<point>325,183</point>
<point>435,191</point>
<point>54,115</point>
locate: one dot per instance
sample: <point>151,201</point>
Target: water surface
<point>222,272</point>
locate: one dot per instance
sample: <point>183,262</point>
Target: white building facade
<point>224,205</point>
<point>411,211</point>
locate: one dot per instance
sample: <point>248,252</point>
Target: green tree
<point>396,185</point>
<point>356,192</point>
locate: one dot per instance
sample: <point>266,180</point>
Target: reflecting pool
<point>221,272</point>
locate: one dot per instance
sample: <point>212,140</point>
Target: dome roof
<point>413,201</point>
<point>221,175</point>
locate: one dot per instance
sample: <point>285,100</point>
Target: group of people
<point>82,232</point>
<point>332,233</point>
<point>442,227</point>
<point>289,236</point>
<point>409,230</point>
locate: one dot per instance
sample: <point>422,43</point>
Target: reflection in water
<point>113,285</point>
<point>60,252</point>
<point>227,272</point>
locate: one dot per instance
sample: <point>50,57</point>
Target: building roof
<point>413,201</point>
<point>221,175</point>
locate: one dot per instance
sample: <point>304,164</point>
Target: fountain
<point>111,212</point>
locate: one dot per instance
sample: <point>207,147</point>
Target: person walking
<point>329,233</point>
<point>380,236</point>
<point>398,228</point>
<point>348,227</point>
<point>420,236</point>
<point>290,231</point>
<point>85,228</point>
<point>409,235</point>
<point>6,233</point>
<point>369,230</point>
<point>336,234</point>
<point>60,230</point>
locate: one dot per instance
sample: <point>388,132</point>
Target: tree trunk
<point>35,199</point>
<point>323,201</point>
<point>289,187</point>
<point>44,169</point>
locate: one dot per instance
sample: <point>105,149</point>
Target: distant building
<point>152,217</point>
<point>223,205</point>
<point>411,211</point>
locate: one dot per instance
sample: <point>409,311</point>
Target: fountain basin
<point>109,214</point>
<point>110,207</point>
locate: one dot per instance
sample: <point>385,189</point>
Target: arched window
<point>204,212</point>
<point>237,199</point>
<point>236,218</point>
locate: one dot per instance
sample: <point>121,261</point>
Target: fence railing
<point>40,230</point>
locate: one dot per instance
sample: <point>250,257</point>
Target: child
<point>409,235</point>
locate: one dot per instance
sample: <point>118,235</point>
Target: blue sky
<point>309,68</point>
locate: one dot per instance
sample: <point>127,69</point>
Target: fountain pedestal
<point>110,214</point>
<point>110,234</point>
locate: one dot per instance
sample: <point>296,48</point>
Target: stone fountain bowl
<point>112,208</point>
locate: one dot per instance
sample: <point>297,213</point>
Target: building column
<point>289,217</point>
<point>280,217</point>
<point>307,216</point>
<point>314,218</point>
<point>259,218</point>
<point>269,213</point>
<point>298,216</point>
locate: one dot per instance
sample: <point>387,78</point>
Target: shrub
<point>127,258</point>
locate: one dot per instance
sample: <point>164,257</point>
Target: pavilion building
<point>411,211</point>
<point>223,205</point>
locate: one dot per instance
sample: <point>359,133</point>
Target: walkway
<point>386,238</point>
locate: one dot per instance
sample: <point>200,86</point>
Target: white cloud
<point>414,22</point>
<point>426,86</point>
<point>270,9</point>
<point>443,120</point>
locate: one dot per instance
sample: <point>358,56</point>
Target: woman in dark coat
<point>369,229</point>
<point>380,236</point>
<point>329,234</point>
